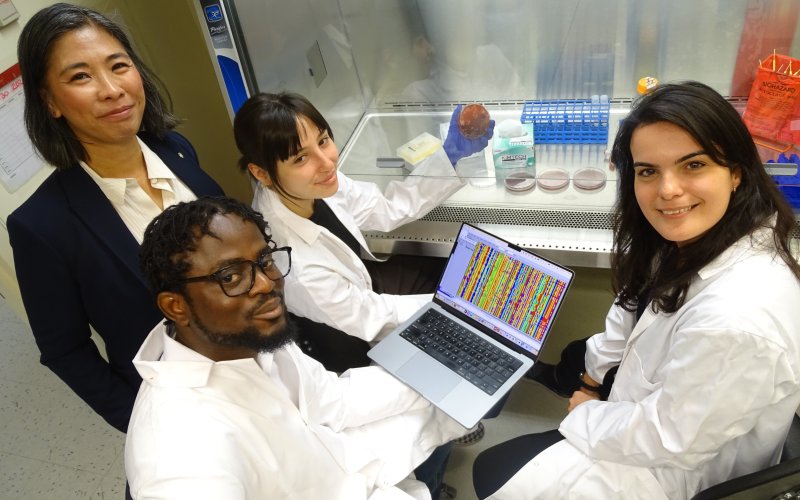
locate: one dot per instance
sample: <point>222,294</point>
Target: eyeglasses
<point>237,279</point>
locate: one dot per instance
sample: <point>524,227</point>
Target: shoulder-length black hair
<point>645,265</point>
<point>52,138</point>
<point>266,129</point>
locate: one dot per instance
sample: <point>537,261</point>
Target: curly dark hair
<point>644,264</point>
<point>174,234</point>
<point>52,137</point>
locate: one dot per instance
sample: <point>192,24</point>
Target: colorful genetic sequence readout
<point>496,283</point>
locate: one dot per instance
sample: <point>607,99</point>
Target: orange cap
<point>646,84</point>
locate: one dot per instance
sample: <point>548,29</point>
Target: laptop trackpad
<point>421,371</point>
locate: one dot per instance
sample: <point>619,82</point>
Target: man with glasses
<point>230,407</point>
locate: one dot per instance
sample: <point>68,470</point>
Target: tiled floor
<point>52,446</point>
<point>531,408</point>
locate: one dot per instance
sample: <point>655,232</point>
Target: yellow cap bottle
<point>646,84</point>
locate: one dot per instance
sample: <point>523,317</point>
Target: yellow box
<point>419,148</point>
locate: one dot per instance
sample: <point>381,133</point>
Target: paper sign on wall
<point>18,162</point>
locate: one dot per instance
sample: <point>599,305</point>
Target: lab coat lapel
<point>302,391</point>
<point>311,233</point>
<point>644,322</point>
<point>345,256</point>
<point>95,210</point>
<point>648,317</point>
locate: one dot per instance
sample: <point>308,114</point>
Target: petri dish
<point>520,181</point>
<point>553,179</point>
<point>589,179</point>
<point>473,121</point>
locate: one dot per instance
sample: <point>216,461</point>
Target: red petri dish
<point>520,181</point>
<point>473,121</point>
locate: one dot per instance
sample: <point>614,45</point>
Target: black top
<point>642,303</point>
<point>324,216</point>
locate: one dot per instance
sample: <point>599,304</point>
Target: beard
<point>251,337</point>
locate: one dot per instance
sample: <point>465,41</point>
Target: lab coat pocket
<point>634,378</point>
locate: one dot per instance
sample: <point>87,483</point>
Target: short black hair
<point>53,139</point>
<point>266,130</point>
<point>174,234</point>
<point>716,126</point>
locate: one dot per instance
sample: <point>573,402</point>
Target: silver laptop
<point>492,311</point>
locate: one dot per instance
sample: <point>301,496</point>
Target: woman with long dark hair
<point>704,331</point>
<point>94,112</point>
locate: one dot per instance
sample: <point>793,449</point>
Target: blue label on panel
<point>213,13</point>
<point>231,75</point>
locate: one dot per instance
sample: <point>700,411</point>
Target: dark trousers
<point>431,471</point>
<point>567,372</point>
<point>496,465</point>
<point>405,274</point>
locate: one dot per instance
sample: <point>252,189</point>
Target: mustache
<point>263,299</point>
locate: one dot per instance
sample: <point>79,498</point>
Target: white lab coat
<point>328,282</point>
<point>701,396</point>
<point>282,428</point>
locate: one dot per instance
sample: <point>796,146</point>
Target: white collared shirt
<point>132,203</point>
<point>207,430</point>
<point>174,351</point>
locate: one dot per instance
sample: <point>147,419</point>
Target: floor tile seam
<point>120,456</point>
<point>45,385</point>
<point>59,464</point>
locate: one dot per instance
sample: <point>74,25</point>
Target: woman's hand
<point>456,146</point>
<point>579,397</point>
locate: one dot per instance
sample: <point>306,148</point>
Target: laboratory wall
<point>9,201</point>
<point>168,37</point>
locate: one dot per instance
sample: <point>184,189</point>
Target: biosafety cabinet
<point>384,71</point>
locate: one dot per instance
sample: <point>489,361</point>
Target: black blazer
<point>78,265</point>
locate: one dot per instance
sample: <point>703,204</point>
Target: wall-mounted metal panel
<point>226,48</point>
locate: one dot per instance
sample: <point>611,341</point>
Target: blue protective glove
<point>457,146</point>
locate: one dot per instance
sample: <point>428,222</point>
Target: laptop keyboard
<point>461,350</point>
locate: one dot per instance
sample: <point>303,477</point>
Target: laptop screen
<point>506,289</point>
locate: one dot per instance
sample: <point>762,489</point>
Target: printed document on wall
<point>18,161</point>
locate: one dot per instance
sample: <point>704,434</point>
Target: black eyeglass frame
<point>217,278</point>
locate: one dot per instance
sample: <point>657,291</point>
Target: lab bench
<point>568,224</point>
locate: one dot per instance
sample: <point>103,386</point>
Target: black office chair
<point>781,481</point>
